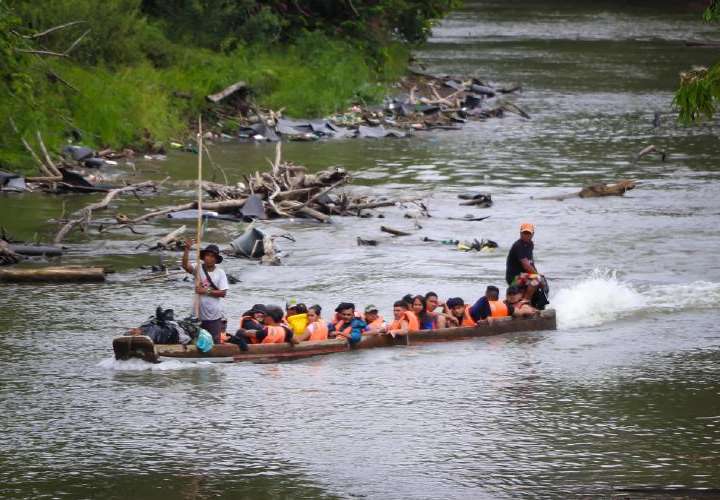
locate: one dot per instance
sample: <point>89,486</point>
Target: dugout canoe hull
<point>141,347</point>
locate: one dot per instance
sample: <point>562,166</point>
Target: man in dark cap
<point>210,289</point>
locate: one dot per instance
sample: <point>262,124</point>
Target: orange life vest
<point>275,335</point>
<point>498,308</point>
<point>320,330</point>
<point>340,327</point>
<point>377,324</point>
<point>250,336</point>
<point>411,319</point>
<point>467,319</point>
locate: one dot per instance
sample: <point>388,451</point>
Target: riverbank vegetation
<point>699,92</point>
<point>133,72</point>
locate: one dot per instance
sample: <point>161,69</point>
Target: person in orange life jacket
<point>425,319</point>
<point>518,305</point>
<point>489,305</point>
<point>401,321</point>
<point>413,320</point>
<point>275,332</point>
<point>375,322</point>
<point>460,316</point>
<point>251,323</point>
<point>317,328</point>
<point>212,287</point>
<point>346,324</point>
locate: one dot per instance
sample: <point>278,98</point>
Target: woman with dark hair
<point>419,307</point>
<point>317,328</point>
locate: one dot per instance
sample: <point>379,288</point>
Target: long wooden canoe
<point>142,347</point>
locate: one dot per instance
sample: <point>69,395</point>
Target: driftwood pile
<point>423,102</point>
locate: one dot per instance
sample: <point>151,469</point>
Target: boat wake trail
<point>137,365</point>
<point>603,297</point>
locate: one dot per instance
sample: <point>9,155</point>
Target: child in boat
<point>317,328</point>
<point>419,308</point>
<point>517,305</point>
<point>375,322</point>
<point>459,312</point>
<point>347,324</point>
<point>275,332</point>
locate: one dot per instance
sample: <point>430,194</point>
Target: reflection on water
<point>625,393</point>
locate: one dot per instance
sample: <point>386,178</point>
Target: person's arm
<point>186,257</point>
<point>528,266</point>
<point>290,336</point>
<point>306,334</point>
<point>404,327</point>
<point>222,284</point>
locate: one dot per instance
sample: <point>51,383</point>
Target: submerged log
<point>394,232</point>
<point>68,274</point>
<point>597,191</point>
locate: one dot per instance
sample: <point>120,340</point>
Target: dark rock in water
<point>249,244</point>
<point>481,200</point>
<point>74,178</point>
<point>94,162</point>
<point>254,208</point>
<point>378,132</point>
<point>12,182</point>
<point>472,101</point>
<point>77,153</point>
<point>454,84</point>
<point>369,243</point>
<point>483,90</point>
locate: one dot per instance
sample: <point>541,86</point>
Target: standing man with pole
<point>211,283</point>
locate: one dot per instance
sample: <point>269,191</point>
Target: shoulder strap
<point>207,275</point>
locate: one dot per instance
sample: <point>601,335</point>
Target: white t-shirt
<point>211,307</point>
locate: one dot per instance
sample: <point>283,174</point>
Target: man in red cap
<point>520,269</point>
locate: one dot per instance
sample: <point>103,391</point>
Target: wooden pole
<point>198,262</point>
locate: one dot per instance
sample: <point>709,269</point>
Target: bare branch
<point>54,28</point>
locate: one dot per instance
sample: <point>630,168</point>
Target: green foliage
<point>130,58</point>
<point>712,12</point>
<point>699,92</point>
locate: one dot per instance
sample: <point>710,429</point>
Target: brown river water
<point>625,393</point>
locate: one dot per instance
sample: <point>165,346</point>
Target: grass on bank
<point>124,106</point>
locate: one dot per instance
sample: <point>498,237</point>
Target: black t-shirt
<point>520,250</point>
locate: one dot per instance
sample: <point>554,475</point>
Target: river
<point>625,393</point>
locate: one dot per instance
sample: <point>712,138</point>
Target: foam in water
<point>596,300</point>
<point>140,365</point>
<point>602,298</point>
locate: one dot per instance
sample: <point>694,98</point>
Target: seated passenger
<point>275,332</point>
<point>251,323</point>
<point>425,318</point>
<point>459,312</point>
<point>518,306</point>
<point>433,302</point>
<point>400,323</point>
<point>317,328</point>
<point>489,305</point>
<point>347,324</point>
<point>375,322</point>
<point>297,318</point>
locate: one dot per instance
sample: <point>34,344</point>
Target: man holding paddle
<point>211,286</point>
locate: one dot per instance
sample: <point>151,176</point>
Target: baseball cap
<point>526,227</point>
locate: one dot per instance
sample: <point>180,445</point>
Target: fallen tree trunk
<point>33,250</point>
<point>394,232</point>
<point>597,191</point>
<point>86,213</point>
<point>75,274</point>
<point>215,98</point>
<point>170,238</point>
